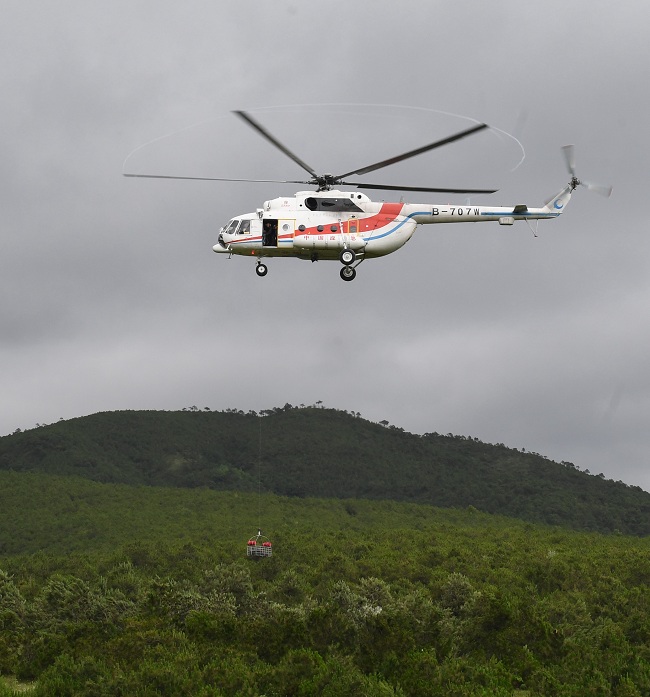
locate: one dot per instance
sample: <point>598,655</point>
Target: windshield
<point>231,228</point>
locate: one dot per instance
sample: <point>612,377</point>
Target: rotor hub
<point>325,182</point>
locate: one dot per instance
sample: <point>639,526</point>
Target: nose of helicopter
<point>220,247</point>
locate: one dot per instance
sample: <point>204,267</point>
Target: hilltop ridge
<point>325,453</point>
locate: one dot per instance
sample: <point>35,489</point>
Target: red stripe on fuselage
<point>387,215</point>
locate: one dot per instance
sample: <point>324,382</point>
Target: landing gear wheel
<point>347,257</point>
<point>261,269</point>
<point>348,273</point>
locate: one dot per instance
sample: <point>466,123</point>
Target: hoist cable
<point>259,479</point>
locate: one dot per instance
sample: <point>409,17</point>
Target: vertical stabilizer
<point>556,204</point>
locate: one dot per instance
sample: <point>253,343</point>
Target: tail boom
<point>505,215</point>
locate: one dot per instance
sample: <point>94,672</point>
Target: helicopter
<point>329,223</point>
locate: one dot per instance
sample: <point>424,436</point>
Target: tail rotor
<point>569,156</point>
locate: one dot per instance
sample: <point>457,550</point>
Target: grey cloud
<point>112,298</point>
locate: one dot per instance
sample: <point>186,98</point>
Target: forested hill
<point>325,453</point>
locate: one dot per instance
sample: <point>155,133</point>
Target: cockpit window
<point>245,227</point>
<point>232,227</point>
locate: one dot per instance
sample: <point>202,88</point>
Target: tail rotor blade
<point>602,189</point>
<point>569,156</point>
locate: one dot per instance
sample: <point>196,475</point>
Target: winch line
<point>259,478</point>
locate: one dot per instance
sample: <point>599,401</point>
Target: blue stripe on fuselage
<point>397,227</point>
<point>503,214</point>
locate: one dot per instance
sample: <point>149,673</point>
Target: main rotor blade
<point>430,189</point>
<point>274,141</point>
<point>216,179</point>
<point>417,151</point>
<point>358,185</point>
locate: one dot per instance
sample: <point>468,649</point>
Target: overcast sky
<point>113,299</point>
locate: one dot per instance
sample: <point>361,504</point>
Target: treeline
<point>359,598</point>
<point>318,452</point>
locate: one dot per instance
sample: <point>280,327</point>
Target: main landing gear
<point>347,257</point>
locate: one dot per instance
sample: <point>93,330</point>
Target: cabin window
<point>315,203</point>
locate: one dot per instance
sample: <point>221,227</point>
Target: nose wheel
<point>261,269</point>
<point>348,273</point>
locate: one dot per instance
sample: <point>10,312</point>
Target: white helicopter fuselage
<point>320,225</point>
<point>347,225</point>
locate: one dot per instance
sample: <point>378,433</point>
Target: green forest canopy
<point>111,589</point>
<point>326,453</point>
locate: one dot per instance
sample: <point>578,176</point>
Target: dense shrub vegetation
<point>120,590</point>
